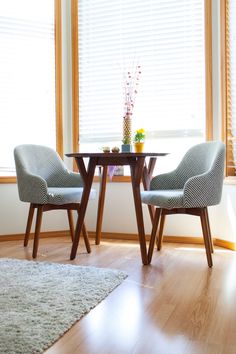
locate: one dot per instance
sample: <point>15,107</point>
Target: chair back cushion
<point>200,175</point>
<point>198,159</point>
<point>205,188</point>
<point>38,160</point>
<point>39,167</point>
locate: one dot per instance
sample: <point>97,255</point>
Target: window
<point>228,82</point>
<point>171,41</point>
<point>29,90</point>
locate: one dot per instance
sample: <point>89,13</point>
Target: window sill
<point>116,179</point>
<point>7,179</point>
<point>230,180</point>
<point>119,179</point>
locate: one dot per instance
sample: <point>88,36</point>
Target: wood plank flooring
<point>175,305</point>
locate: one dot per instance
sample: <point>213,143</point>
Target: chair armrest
<point>202,190</point>
<point>32,188</point>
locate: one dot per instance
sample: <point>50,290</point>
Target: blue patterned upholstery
<point>43,178</point>
<point>196,182</point>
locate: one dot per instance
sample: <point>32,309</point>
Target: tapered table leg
<point>146,179</point>
<point>88,180</point>
<point>101,200</point>
<point>136,173</point>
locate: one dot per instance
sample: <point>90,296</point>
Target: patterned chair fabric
<point>44,181</point>
<point>196,182</point>
<point>193,186</point>
<point>43,178</point>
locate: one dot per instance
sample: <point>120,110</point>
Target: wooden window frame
<point>75,78</point>
<point>58,87</point>
<point>225,84</point>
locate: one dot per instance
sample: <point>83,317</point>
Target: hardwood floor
<point>175,305</point>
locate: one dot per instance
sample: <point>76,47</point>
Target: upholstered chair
<point>44,181</point>
<point>191,188</point>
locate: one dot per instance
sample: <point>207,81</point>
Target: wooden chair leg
<point>86,239</point>
<point>37,230</point>
<point>160,234</point>
<point>71,223</point>
<point>209,230</point>
<point>154,232</point>
<point>29,224</point>
<point>206,236</point>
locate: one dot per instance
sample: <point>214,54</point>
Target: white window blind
<point>231,86</point>
<point>27,77</point>
<point>166,38</point>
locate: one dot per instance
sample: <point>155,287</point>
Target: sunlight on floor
<point>193,249</point>
<point>229,283</point>
<point>114,320</point>
<point>128,328</point>
<point>123,244</point>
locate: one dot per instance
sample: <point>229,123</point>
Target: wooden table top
<point>116,154</point>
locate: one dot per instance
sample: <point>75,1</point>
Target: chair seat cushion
<point>171,198</point>
<point>59,196</point>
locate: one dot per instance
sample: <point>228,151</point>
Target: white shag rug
<point>40,301</point>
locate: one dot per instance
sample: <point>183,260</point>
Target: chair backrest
<point>205,189</point>
<point>37,168</point>
<point>200,173</point>
<point>202,158</point>
<point>38,160</point>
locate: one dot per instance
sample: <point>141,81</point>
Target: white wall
<point>119,215</point>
